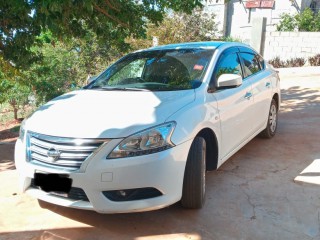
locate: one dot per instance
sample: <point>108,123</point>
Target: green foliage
<point>287,23</point>
<point>315,60</point>
<point>14,93</point>
<point>54,74</point>
<point>179,27</point>
<point>66,65</point>
<point>306,21</point>
<point>317,22</point>
<point>231,39</point>
<point>111,20</point>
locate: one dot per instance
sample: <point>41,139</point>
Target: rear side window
<point>251,64</point>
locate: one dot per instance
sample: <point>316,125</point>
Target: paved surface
<point>254,195</point>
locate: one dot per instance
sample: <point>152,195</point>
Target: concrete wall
<point>218,8</point>
<point>236,20</point>
<point>288,45</point>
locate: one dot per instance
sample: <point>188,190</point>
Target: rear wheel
<point>194,183</point>
<point>271,128</point>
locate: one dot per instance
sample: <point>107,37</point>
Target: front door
<point>234,105</point>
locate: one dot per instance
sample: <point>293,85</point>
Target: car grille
<point>74,194</point>
<point>62,153</point>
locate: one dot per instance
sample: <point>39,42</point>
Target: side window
<point>251,64</point>
<point>229,63</point>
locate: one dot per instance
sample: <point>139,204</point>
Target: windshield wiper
<point>118,88</point>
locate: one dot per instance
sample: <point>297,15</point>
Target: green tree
<point>65,66</point>
<point>55,74</point>
<point>180,27</point>
<point>14,93</point>
<point>111,20</point>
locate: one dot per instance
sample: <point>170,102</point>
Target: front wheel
<point>194,183</point>
<point>272,123</point>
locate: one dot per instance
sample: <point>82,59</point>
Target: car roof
<point>207,45</point>
<point>188,45</point>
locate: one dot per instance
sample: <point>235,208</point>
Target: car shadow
<point>6,156</point>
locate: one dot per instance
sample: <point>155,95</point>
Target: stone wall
<point>288,45</point>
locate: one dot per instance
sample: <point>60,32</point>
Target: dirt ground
<point>268,190</point>
<point>6,133</point>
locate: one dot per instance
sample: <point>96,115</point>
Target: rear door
<point>254,72</point>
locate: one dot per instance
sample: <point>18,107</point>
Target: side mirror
<point>91,79</point>
<point>228,80</point>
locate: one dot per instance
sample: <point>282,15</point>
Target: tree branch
<point>104,12</point>
<point>1,46</point>
<point>111,6</point>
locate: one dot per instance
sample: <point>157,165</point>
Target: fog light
<point>131,194</point>
<point>122,193</point>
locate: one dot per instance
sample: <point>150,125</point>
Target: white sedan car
<point>143,134</point>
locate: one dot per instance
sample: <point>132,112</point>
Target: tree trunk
<point>15,107</point>
<point>15,112</point>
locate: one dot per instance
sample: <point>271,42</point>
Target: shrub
<point>277,63</point>
<point>305,21</point>
<point>295,62</point>
<point>287,23</point>
<point>315,60</point>
<point>231,39</point>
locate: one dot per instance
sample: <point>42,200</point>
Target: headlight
<point>149,141</point>
<point>22,130</point>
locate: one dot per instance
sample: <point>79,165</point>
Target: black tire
<point>194,183</point>
<point>272,123</point>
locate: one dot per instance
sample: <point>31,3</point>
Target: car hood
<point>106,114</point>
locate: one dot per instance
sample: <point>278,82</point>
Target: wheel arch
<point>276,98</point>
<point>212,150</point>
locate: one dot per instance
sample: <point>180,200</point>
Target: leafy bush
<point>231,39</point>
<point>277,63</point>
<point>295,62</point>
<point>315,60</point>
<point>287,23</point>
<point>306,21</point>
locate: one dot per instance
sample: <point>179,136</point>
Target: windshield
<point>156,70</point>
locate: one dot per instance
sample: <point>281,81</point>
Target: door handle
<point>268,84</point>
<point>248,95</point>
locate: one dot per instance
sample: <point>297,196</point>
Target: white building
<point>235,18</point>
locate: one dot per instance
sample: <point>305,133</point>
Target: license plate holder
<point>52,182</point>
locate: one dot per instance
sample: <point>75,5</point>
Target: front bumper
<point>163,171</point>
